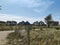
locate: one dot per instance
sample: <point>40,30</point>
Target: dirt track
<point>3,35</point>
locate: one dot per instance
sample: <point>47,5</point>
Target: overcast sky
<point>29,10</point>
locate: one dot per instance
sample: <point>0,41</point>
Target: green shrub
<point>57,28</point>
<point>33,27</point>
<point>41,28</point>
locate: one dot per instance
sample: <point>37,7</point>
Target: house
<point>21,23</point>
<point>54,23</point>
<point>2,23</point>
<point>36,23</point>
<point>14,23</point>
<point>27,23</point>
<point>41,23</point>
<point>11,23</point>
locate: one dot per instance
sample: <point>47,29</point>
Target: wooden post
<point>28,34</point>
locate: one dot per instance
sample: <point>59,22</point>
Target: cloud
<point>30,3</point>
<point>56,16</point>
<point>44,6</point>
<point>23,3</point>
<point>38,6</point>
<point>9,17</point>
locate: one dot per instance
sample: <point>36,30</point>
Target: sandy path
<point>3,35</point>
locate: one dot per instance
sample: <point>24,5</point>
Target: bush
<point>57,28</point>
<point>34,28</point>
<point>41,28</point>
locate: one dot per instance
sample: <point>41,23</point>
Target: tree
<point>48,19</point>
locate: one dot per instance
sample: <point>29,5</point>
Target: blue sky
<point>29,10</point>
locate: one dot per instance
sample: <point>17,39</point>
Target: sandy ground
<point>3,35</point>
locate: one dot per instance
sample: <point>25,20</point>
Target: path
<point>3,35</point>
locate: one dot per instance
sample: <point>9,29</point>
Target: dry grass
<point>46,36</point>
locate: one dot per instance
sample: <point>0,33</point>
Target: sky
<point>29,10</point>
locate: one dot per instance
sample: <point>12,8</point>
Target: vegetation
<point>48,19</point>
<point>47,36</point>
<point>37,35</point>
<point>7,28</point>
<point>57,28</point>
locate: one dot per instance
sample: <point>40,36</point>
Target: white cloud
<point>39,6</point>
<point>8,17</point>
<point>56,16</point>
<point>43,7</point>
<point>30,3</point>
<point>24,3</point>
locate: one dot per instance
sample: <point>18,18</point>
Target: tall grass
<point>47,36</point>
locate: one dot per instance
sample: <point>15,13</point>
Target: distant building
<point>36,23</point>
<point>21,23</point>
<point>2,23</point>
<point>11,23</point>
<point>54,23</point>
<point>8,23</point>
<point>41,23</point>
<point>14,23</point>
<point>27,23</point>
